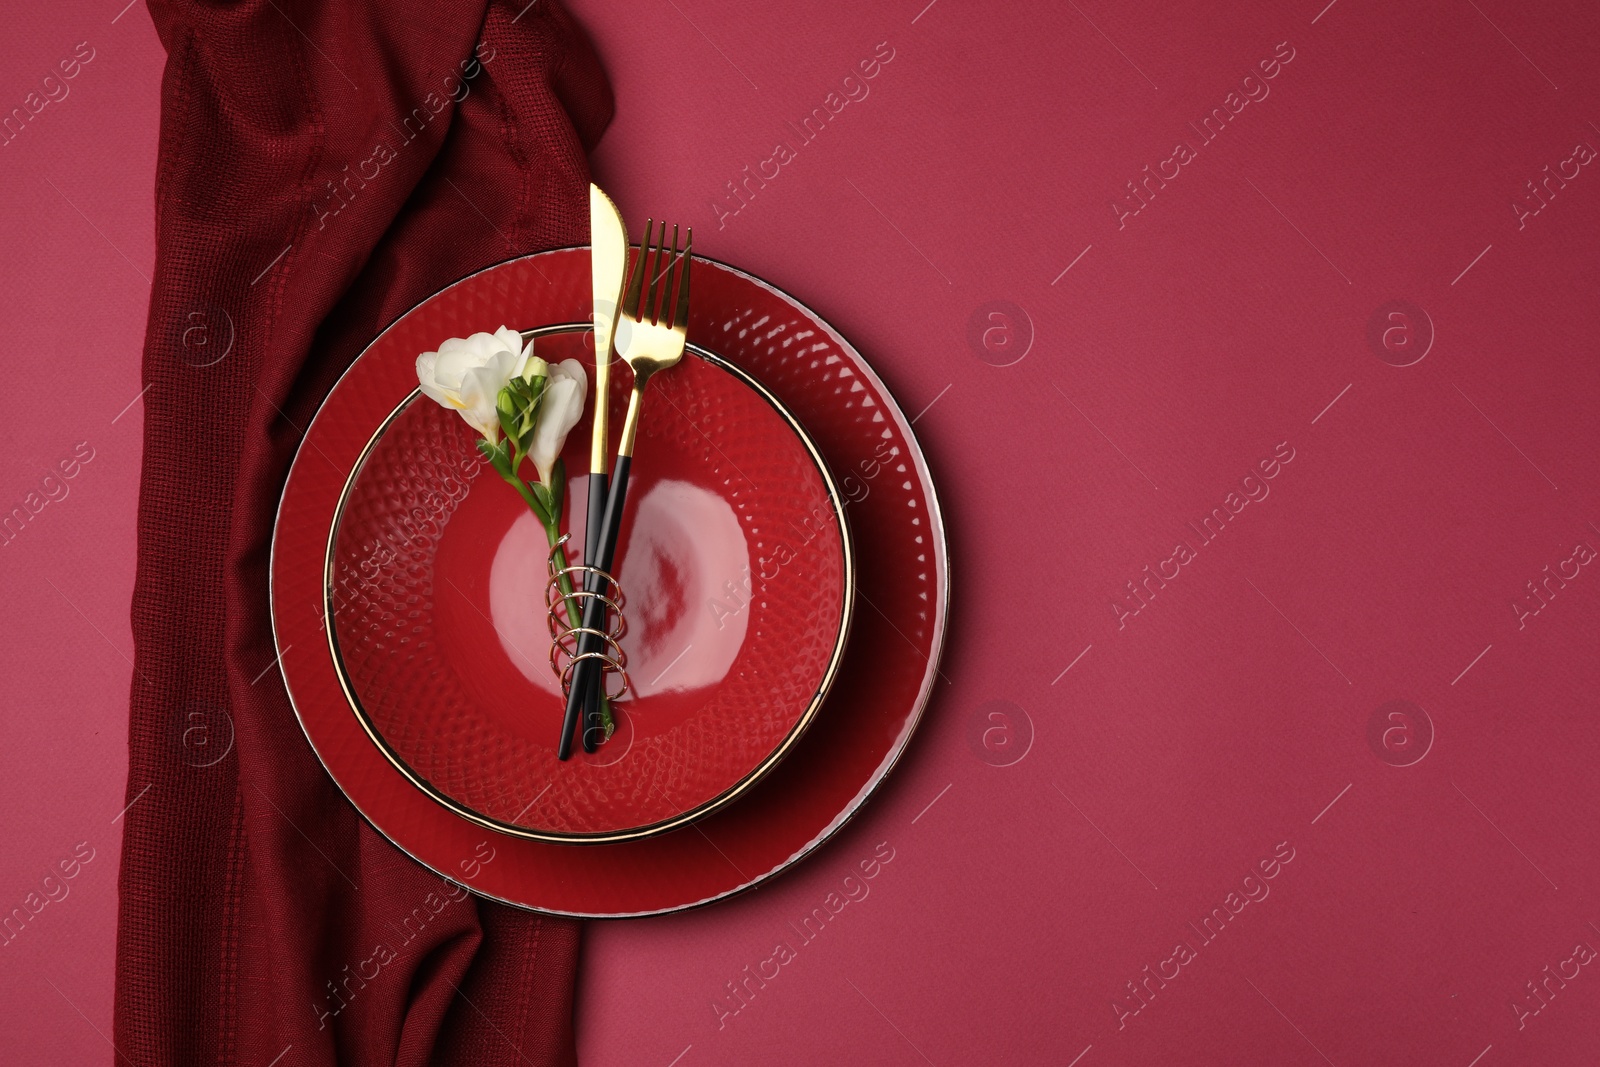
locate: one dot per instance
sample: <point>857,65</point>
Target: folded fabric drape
<point>322,168</point>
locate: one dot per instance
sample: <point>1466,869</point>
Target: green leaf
<point>558,489</point>
<point>539,511</point>
<point>497,456</point>
<point>538,401</point>
<point>542,495</point>
<point>530,391</point>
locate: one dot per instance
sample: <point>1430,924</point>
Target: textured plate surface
<point>733,555</point>
<point>883,681</point>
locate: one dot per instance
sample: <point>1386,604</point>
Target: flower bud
<point>535,368</point>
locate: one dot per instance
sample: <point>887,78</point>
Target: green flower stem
<point>552,530</point>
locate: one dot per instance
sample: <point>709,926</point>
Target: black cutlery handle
<point>584,670</point>
<point>593,584</point>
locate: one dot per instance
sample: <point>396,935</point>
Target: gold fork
<point>650,337</point>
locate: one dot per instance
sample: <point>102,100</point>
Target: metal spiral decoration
<point>565,631</point>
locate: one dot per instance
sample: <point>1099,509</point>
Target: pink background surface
<point>1143,764</point>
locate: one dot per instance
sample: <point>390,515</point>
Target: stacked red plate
<point>784,565</point>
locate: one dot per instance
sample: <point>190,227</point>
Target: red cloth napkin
<point>323,167</point>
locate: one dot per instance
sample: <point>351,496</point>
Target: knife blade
<point>609,261</point>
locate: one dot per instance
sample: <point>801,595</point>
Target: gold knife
<point>608,242</point>
<point>609,261</point>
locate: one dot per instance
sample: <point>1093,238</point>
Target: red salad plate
<point>880,686</point>
<point>734,561</point>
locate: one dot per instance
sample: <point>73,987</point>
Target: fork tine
<point>667,307</point>
<point>649,313</point>
<point>630,300</point>
<point>682,316</point>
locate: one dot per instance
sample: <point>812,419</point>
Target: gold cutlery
<point>651,334</point>
<point>608,262</point>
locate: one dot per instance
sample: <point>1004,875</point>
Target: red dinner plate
<point>735,562</point>
<point>882,682</point>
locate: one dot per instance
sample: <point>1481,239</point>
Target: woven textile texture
<point>322,168</point>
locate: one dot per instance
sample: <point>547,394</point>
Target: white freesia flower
<point>559,412</point>
<point>467,374</point>
<point>524,407</point>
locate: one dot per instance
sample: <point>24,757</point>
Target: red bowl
<point>737,572</point>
